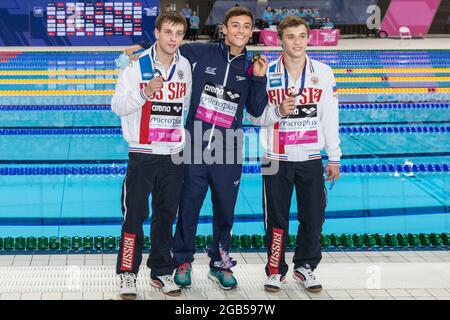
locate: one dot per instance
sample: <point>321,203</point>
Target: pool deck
<point>345,275</point>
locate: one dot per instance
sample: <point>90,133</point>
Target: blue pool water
<point>63,158</point>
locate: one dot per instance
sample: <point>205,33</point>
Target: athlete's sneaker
<point>166,284</point>
<point>274,282</point>
<point>128,286</point>
<point>224,278</point>
<point>305,275</point>
<point>183,275</point>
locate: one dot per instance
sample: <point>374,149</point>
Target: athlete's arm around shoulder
<point>186,67</point>
<point>127,98</point>
<point>191,51</point>
<point>195,51</point>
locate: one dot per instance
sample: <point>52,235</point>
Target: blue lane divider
<point>121,170</point>
<point>344,106</point>
<point>358,58</point>
<point>335,63</point>
<point>351,106</point>
<point>61,131</point>
<point>332,63</point>
<point>30,65</point>
<point>361,168</point>
<point>249,130</point>
<point>63,171</point>
<point>55,107</point>
<point>341,54</point>
<point>361,59</point>
<point>396,129</point>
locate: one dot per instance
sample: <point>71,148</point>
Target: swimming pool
<point>63,158</point>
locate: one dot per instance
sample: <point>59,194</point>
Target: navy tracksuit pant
<point>223,179</point>
<point>308,180</point>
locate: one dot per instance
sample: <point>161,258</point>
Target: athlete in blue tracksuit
<point>222,85</point>
<point>214,66</point>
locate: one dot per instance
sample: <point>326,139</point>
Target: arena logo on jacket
<point>218,105</point>
<point>302,126</point>
<point>165,123</point>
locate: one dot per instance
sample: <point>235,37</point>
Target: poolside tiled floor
<point>344,275</point>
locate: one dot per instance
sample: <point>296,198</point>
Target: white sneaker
<point>274,282</point>
<point>307,278</point>
<point>166,284</point>
<point>128,286</point>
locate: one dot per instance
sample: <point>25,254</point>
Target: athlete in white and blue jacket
<point>151,109</point>
<point>301,119</point>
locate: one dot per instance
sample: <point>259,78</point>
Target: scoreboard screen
<point>77,22</point>
<point>119,18</point>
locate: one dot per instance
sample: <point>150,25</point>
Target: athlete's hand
<point>332,172</point>
<point>287,107</point>
<point>153,86</point>
<point>260,66</point>
<point>129,52</point>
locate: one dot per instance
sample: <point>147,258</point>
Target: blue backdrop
<point>76,22</point>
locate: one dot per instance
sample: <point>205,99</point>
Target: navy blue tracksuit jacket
<point>217,78</point>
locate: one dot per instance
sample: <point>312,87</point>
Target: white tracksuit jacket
<point>315,123</point>
<point>154,124</point>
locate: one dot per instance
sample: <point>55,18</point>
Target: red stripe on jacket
<point>144,137</point>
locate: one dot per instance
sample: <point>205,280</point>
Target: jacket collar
<point>152,53</point>
<point>226,51</point>
<point>280,64</point>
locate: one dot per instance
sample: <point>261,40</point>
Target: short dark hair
<point>238,11</point>
<point>170,16</point>
<point>291,21</point>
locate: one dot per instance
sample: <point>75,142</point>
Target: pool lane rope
<point>366,241</point>
<point>342,106</point>
<point>118,131</point>
<point>114,169</point>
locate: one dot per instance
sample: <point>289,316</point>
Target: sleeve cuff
<point>141,97</point>
<point>334,162</point>
<point>144,96</point>
<point>277,113</point>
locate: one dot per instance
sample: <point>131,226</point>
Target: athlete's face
<point>169,37</point>
<point>238,31</point>
<point>295,41</point>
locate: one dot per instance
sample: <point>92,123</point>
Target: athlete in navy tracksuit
<point>222,85</point>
